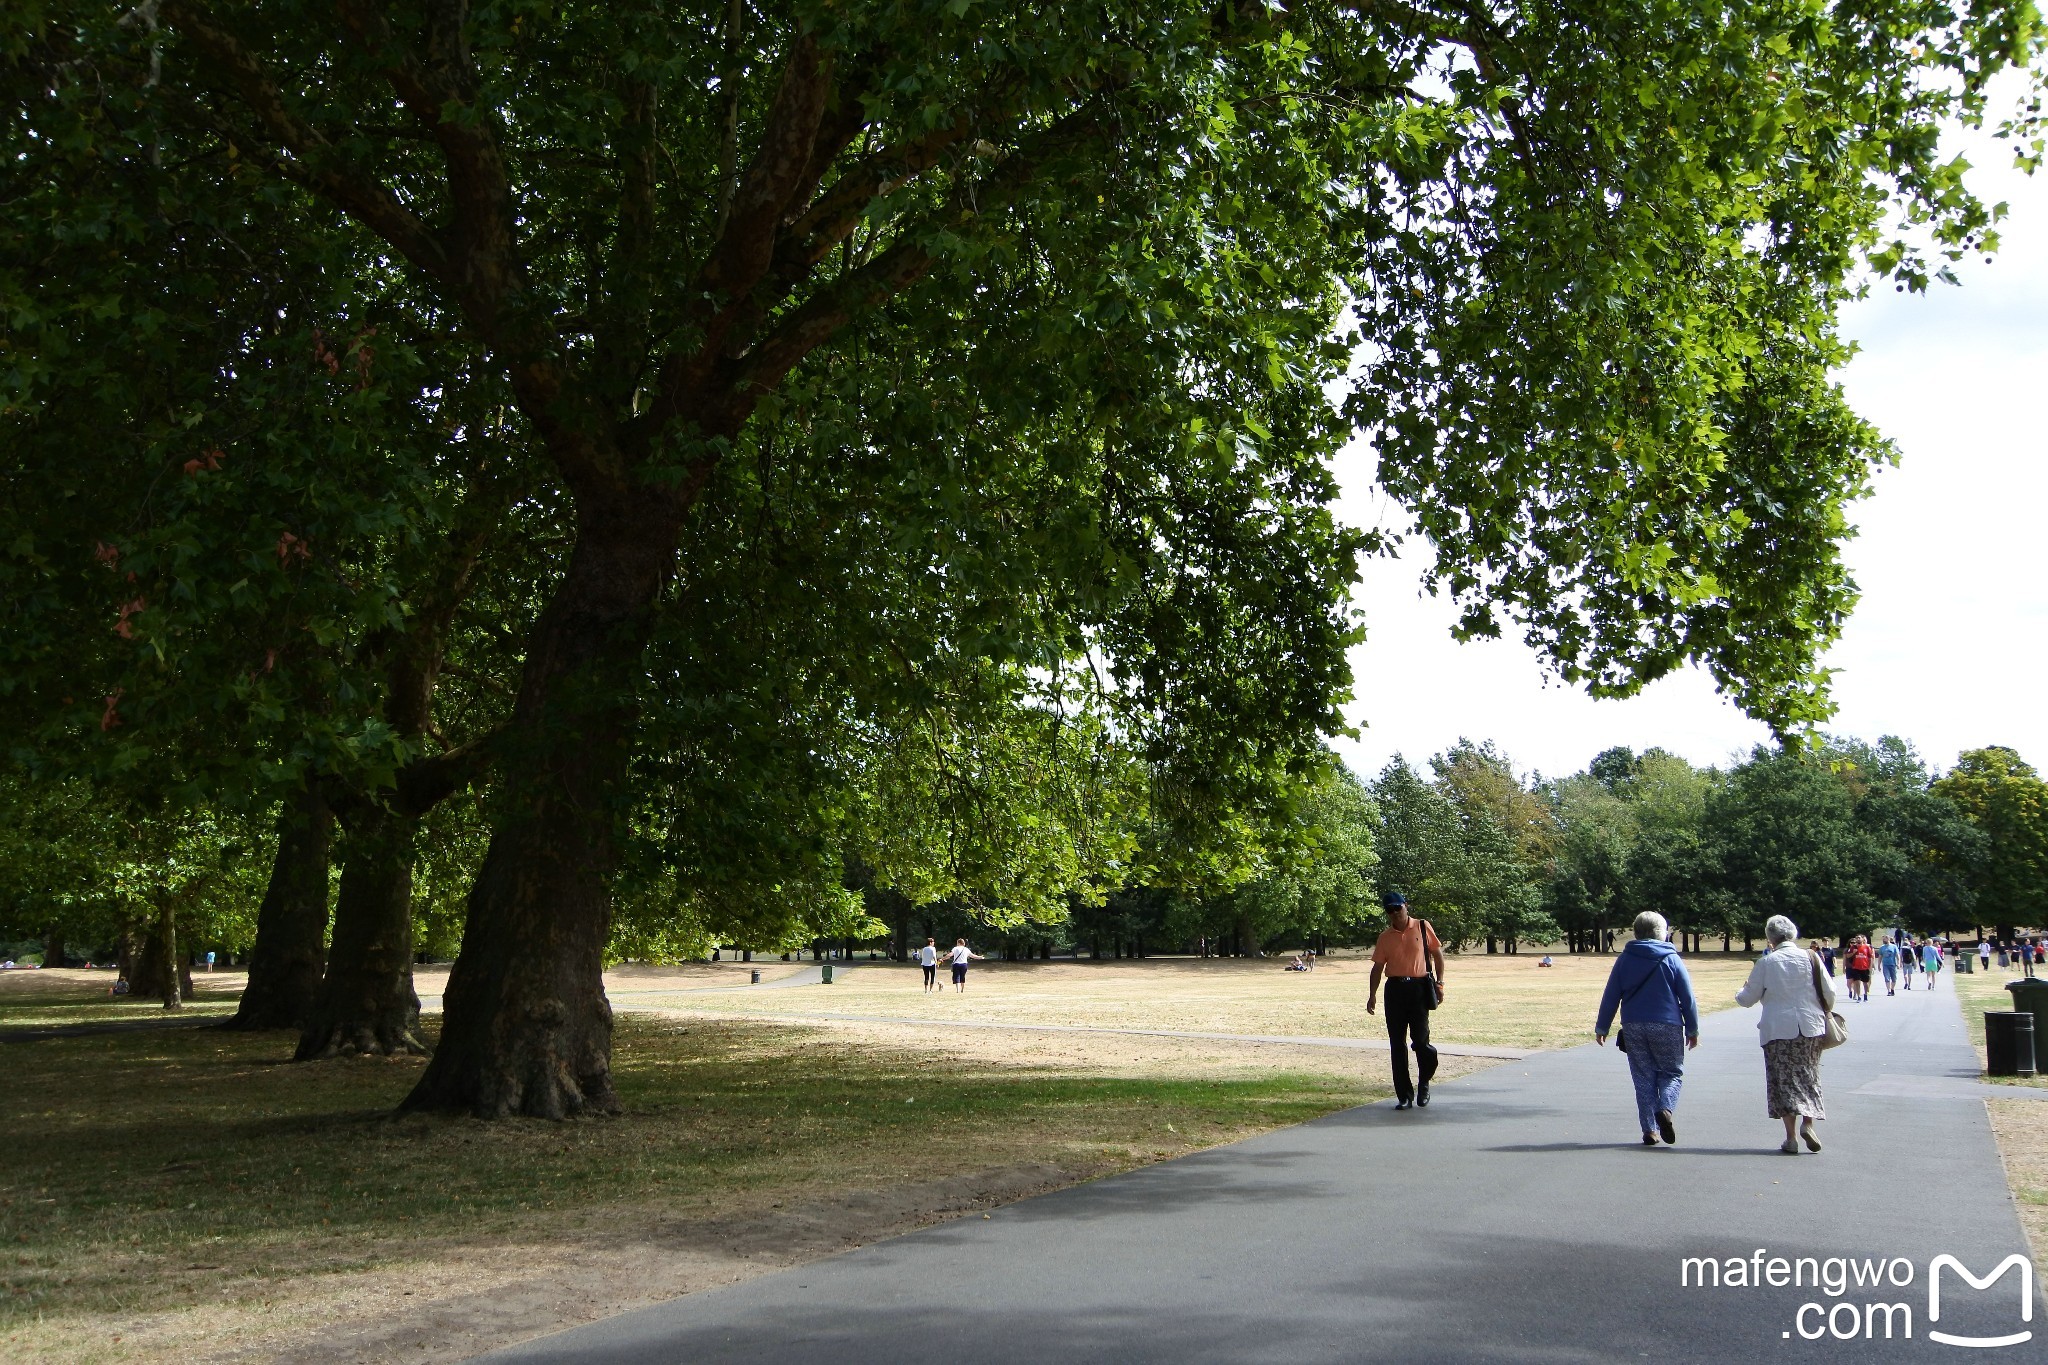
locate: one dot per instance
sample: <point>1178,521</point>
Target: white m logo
<point>2026,1270</point>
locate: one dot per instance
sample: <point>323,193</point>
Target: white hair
<point>1778,930</point>
<point>1650,924</point>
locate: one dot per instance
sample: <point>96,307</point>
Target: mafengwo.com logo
<point>1862,1294</point>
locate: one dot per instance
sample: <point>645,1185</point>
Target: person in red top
<point>1860,961</point>
<point>1405,956</point>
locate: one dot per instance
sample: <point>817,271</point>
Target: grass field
<point>189,1192</point>
<point>1501,1000</point>
<point>73,995</point>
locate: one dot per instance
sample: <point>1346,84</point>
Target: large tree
<point>1057,286</point>
<point>2001,794</point>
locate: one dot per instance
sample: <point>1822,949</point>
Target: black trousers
<point>1407,1005</point>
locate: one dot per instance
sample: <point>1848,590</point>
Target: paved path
<point>1516,1219</point>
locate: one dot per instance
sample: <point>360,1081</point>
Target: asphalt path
<point>1518,1218</point>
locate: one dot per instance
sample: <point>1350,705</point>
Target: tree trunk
<point>291,926</point>
<point>366,1002</point>
<point>158,971</point>
<point>154,969</point>
<point>527,1028</point>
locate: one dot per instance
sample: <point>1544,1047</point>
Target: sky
<point>1947,644</point>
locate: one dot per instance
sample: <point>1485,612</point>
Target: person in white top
<point>928,958</point>
<point>1796,997</point>
<point>962,955</point>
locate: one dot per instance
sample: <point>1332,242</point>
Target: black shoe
<point>1422,1095</point>
<point>1667,1128</point>
<point>1649,1139</point>
<point>1403,1104</point>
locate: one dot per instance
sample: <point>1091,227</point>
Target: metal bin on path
<point>2008,1043</point>
<point>1965,962</point>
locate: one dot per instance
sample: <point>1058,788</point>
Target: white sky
<point>1947,645</point>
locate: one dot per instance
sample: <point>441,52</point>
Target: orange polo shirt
<point>1402,953</point>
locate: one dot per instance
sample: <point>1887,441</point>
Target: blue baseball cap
<point>1393,900</point>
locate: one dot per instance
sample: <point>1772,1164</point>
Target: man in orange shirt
<point>1405,956</point>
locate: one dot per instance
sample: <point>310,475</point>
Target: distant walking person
<point>1659,1021</point>
<point>962,955</point>
<point>1909,961</point>
<point>1407,955</point>
<point>1984,953</point>
<point>1930,961</point>
<point>1788,982</point>
<point>1858,971</point>
<point>928,958</point>
<point>1888,959</point>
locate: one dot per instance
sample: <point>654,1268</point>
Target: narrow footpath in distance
<point>1517,1218</point>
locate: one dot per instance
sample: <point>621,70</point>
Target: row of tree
<point>641,473</point>
<point>1843,838</point>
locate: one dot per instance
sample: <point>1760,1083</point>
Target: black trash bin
<point>2008,1043</point>
<point>2030,993</point>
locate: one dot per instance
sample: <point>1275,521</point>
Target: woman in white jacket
<point>1796,1000</point>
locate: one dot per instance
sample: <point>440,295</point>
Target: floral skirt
<point>1792,1077</point>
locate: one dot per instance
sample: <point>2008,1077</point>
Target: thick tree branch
<point>741,255</point>
<point>820,318</point>
<point>303,152</point>
<point>440,93</point>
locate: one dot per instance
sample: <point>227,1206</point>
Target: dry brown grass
<point>1501,1000</point>
<point>188,1192</point>
<point>2023,1142</point>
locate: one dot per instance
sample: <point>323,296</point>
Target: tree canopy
<point>829,393</point>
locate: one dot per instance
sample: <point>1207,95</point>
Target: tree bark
<point>527,1028</point>
<point>53,948</point>
<point>158,970</point>
<point>366,1004</point>
<point>291,926</point>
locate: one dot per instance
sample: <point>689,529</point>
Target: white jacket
<point>1783,980</point>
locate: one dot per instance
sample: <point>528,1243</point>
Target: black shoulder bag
<point>1436,987</point>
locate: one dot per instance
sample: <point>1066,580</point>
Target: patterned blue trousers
<point>1656,1062</point>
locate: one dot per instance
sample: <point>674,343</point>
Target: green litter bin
<point>825,976</point>
<point>1966,962</point>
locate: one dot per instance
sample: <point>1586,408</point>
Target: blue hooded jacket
<point>1650,983</point>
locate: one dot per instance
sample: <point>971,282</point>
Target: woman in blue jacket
<point>1659,1021</point>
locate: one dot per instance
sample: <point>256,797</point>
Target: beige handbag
<point>1838,1027</point>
